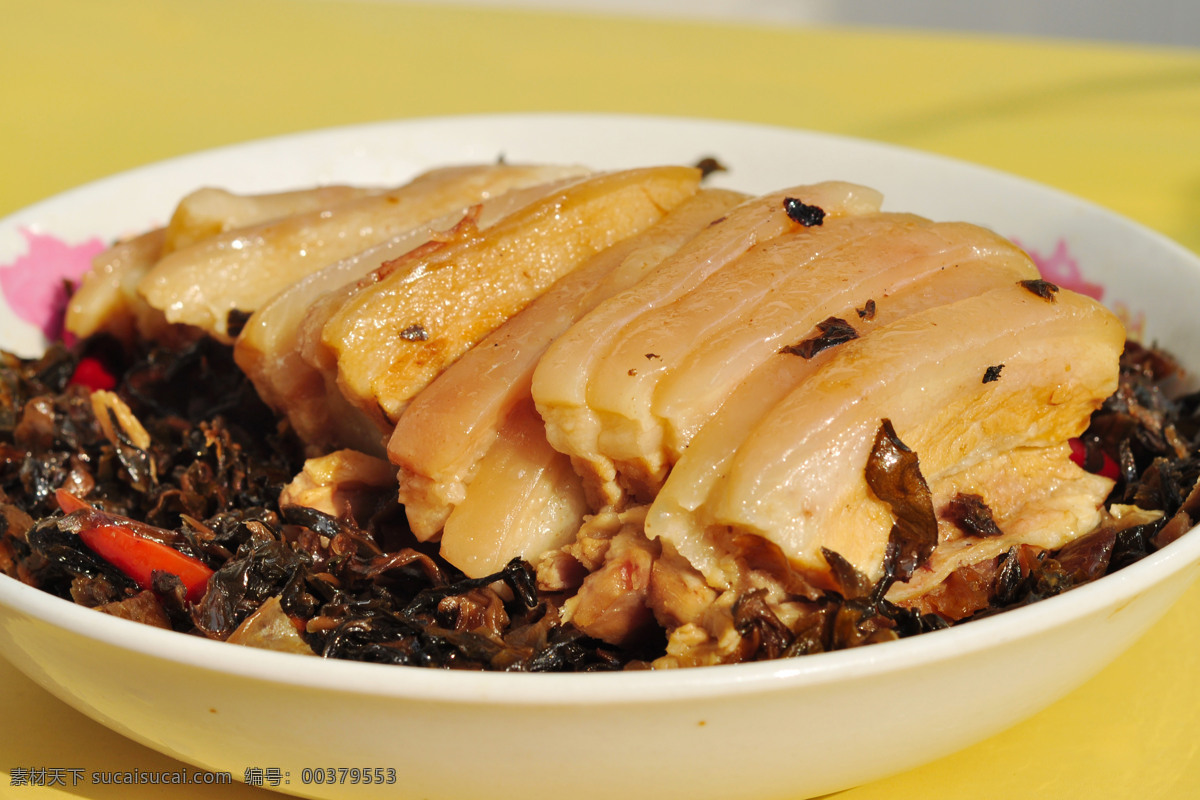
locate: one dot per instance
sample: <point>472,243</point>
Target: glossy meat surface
<point>451,424</point>
<point>798,477</point>
<point>271,349</point>
<point>392,338</point>
<point>562,381</point>
<point>240,269</point>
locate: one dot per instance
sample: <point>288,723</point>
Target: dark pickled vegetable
<point>802,213</point>
<point>971,515</point>
<point>414,333</point>
<point>894,475</point>
<point>829,333</point>
<point>207,487</point>
<point>708,165</point>
<point>1042,288</point>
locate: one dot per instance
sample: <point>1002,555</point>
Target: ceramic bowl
<point>785,729</point>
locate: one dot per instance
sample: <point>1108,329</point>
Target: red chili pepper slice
<point>68,502</point>
<point>94,374</point>
<point>137,556</point>
<point>1108,469</point>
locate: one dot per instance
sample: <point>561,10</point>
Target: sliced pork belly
<point>524,501</point>
<point>451,424</point>
<point>803,277</point>
<point>209,211</point>
<point>863,282</point>
<point>270,347</point>
<point>1004,376</point>
<point>106,300</point>
<point>675,513</point>
<point>671,369</point>
<point>239,270</point>
<point>1036,496</point>
<point>269,351</point>
<point>391,338</point>
<point>561,380</point>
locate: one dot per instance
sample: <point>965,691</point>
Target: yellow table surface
<point>88,89</point>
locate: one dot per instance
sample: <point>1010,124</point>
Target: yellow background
<point>90,88</point>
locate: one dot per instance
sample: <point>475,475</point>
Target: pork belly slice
<point>1037,496</point>
<point>391,338</point>
<point>107,300</point>
<point>671,369</point>
<point>270,348</point>
<point>674,512</point>
<point>269,351</point>
<point>239,270</point>
<point>561,379</point>
<point>209,211</point>
<point>962,384</point>
<point>450,425</point>
<point>524,500</point>
<point>905,265</point>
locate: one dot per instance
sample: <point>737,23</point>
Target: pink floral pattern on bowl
<point>37,285</point>
<point>1061,268</point>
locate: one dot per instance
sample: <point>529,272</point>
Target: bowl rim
<point>661,686</point>
<point>640,121</point>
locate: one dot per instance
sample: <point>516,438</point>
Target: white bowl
<point>791,728</point>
